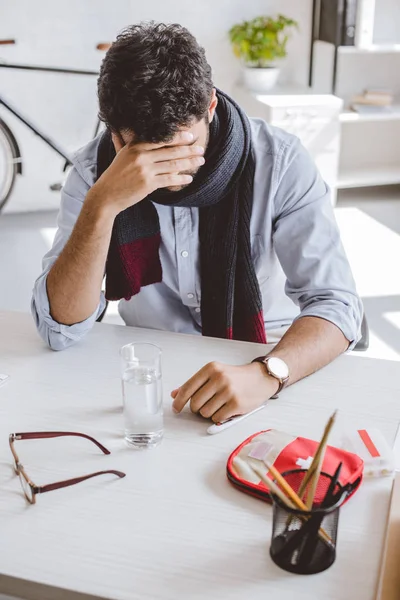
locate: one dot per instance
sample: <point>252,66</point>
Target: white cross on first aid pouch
<point>3,378</point>
<point>304,463</point>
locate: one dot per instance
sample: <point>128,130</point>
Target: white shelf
<point>355,117</point>
<point>369,176</point>
<point>374,49</point>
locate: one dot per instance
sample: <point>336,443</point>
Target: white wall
<point>387,22</point>
<point>59,33</point>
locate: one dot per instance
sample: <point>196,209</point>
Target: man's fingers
<point>117,141</point>
<point>183,137</point>
<point>213,405</point>
<point>227,411</point>
<point>172,180</point>
<point>170,150</point>
<point>188,389</point>
<point>178,165</point>
<point>202,396</point>
<point>175,152</point>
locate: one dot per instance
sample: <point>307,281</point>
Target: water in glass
<point>143,409</point>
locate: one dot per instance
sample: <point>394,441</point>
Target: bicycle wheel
<point>8,163</point>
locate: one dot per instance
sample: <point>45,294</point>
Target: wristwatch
<point>276,367</point>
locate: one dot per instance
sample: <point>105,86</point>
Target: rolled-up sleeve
<point>308,245</point>
<point>56,335</point>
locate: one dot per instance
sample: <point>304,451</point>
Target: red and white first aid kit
<point>287,453</point>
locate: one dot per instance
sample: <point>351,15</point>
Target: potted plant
<point>259,43</point>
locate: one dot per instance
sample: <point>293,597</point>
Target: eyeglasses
<point>29,488</point>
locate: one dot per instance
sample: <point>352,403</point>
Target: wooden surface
<point>389,588</point>
<point>173,528</point>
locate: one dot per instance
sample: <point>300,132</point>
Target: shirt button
<point>190,296</point>
<point>184,253</point>
<point>197,310</point>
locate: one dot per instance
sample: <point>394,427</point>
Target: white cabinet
<point>313,118</point>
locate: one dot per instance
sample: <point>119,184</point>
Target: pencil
<point>310,470</point>
<point>309,547</point>
<point>285,486</point>
<point>316,464</point>
<point>309,473</point>
<point>272,486</point>
<point>245,471</point>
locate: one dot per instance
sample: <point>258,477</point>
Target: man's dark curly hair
<point>154,80</point>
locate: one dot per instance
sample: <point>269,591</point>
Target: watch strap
<point>282,382</point>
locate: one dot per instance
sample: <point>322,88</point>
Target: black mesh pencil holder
<point>304,542</point>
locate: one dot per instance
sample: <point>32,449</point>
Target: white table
<point>174,528</point>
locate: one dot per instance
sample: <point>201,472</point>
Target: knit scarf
<point>222,189</point>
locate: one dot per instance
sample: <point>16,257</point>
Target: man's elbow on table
<point>55,335</point>
<point>55,340</point>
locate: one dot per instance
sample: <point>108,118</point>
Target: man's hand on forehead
<point>186,138</point>
<point>141,168</point>
<point>181,138</point>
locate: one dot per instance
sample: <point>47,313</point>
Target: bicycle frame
<point>48,140</point>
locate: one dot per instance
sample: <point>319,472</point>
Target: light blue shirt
<point>299,259</point>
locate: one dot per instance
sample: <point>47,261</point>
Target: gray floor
<point>22,246</point>
<point>370,225</point>
<point>369,221</point>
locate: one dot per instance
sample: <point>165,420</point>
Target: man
<point>191,209</point>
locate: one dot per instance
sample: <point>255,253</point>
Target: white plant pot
<point>260,80</point>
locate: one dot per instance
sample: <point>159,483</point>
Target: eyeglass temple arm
<point>35,435</point>
<point>67,482</point>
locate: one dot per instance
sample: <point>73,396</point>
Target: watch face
<point>278,367</point>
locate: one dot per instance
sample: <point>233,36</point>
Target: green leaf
<point>260,41</point>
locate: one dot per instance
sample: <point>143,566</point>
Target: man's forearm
<point>220,391</point>
<point>308,345</point>
<point>74,281</point>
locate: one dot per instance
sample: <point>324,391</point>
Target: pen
<point>218,427</point>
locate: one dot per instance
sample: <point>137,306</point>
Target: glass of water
<point>142,394</point>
